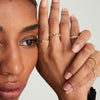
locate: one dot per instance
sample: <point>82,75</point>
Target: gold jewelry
<point>74,37</point>
<point>94,69</point>
<point>93,60</point>
<point>54,34</point>
<point>42,40</point>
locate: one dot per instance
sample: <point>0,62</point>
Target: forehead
<point>17,12</point>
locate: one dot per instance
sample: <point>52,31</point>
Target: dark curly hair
<point>34,2</point>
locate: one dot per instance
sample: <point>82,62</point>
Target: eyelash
<point>32,42</point>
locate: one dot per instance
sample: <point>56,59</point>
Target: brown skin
<point>16,60</point>
<point>56,54</point>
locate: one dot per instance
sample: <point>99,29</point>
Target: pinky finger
<point>81,41</point>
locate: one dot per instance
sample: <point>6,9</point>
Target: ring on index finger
<point>42,40</point>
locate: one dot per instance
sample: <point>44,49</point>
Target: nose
<point>11,63</point>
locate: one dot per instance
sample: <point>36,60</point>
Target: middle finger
<point>54,21</point>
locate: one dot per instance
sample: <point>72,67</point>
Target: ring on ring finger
<point>74,37</point>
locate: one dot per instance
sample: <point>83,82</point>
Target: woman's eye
<point>29,43</point>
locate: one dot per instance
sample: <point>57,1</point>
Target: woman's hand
<point>56,54</point>
<point>79,72</point>
<point>80,75</point>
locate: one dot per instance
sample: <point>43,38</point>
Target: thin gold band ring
<point>42,40</point>
<point>94,69</point>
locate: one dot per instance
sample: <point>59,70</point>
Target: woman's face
<point>18,49</point>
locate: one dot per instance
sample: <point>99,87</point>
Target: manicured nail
<point>69,91</point>
<point>68,75</point>
<point>44,3</point>
<point>75,48</point>
<point>55,0</point>
<point>67,86</point>
<point>64,10</point>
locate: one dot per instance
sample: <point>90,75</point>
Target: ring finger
<point>74,31</point>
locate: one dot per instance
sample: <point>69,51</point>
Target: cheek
<point>29,61</point>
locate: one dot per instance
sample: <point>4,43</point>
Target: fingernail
<point>55,0</point>
<point>68,75</point>
<point>72,16</point>
<point>67,86</point>
<point>69,91</point>
<point>64,9</point>
<point>44,3</point>
<point>75,48</point>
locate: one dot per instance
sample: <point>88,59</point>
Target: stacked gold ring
<point>54,34</point>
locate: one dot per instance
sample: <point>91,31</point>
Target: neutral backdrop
<point>88,14</point>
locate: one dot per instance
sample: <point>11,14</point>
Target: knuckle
<point>89,64</point>
<point>88,49</point>
<point>72,69</point>
<point>53,20</point>
<point>64,13</point>
<point>91,47</point>
<point>43,29</point>
<point>64,22</point>
<point>55,8</point>
<point>75,21</point>
<point>43,13</point>
<point>87,32</point>
<point>74,29</point>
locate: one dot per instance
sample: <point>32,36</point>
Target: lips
<point>10,91</point>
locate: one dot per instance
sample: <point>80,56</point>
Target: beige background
<point>88,14</point>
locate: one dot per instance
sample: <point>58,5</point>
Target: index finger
<point>43,23</point>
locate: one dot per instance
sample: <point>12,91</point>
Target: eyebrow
<point>29,28</point>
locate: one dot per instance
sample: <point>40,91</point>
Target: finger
<point>72,83</point>
<point>81,41</point>
<point>43,23</point>
<point>87,82</point>
<point>74,31</point>
<point>54,21</point>
<point>64,27</point>
<point>96,55</point>
<point>79,60</point>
